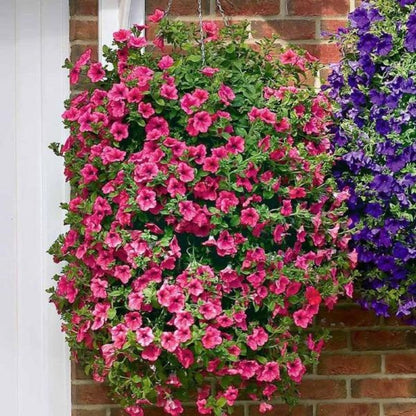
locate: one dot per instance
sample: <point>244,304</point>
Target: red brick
<point>330,27</point>
<point>404,409</point>
<point>348,409</point>
<point>179,7</point>
<point>251,7</point>
<point>346,315</point>
<point>83,7</point>
<point>383,340</point>
<point>83,30</point>
<point>93,393</point>
<point>349,364</point>
<point>401,363</point>
<point>338,341</point>
<point>77,373</point>
<point>95,412</point>
<point>285,29</point>
<point>318,7</point>
<point>323,75</point>
<point>383,389</point>
<point>322,389</point>
<point>282,410</point>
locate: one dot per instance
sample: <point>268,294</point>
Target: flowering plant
<point>205,233</point>
<point>375,88</point>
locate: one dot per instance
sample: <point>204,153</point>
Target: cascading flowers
<point>204,231</point>
<point>375,87</point>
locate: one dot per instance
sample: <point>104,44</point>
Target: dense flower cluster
<point>205,234</point>
<point>375,87</point>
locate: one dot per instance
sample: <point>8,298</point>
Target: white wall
<point>34,365</point>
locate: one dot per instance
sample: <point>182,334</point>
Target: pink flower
<point>225,201</point>
<point>156,128</point>
<point>146,110</point>
<point>212,30</point>
<point>137,42</point>
<point>98,288</point>
<point>89,173</point>
<point>175,187</point>
<point>165,62</point>
<point>186,173</point>
<point>122,273</point>
<point>173,407</point>
<point>257,339</point>
<point>151,353</point>
<point>119,130</point>
<point>289,57</point>
<point>144,336</point>
<point>84,58</point>
<point>100,314</point>
<point>302,318</point>
<point>296,370</point>
<point>199,123</point>
<point>169,92</point>
<point>96,72</point>
<point>135,95</point>
<point>122,35</point>
<point>249,216</point>
<point>146,199</point>
<point>286,210</point>
<point>235,145</point>
<point>226,94</point>
<point>209,71</point>
<point>210,310</point>
<point>157,16</point>
<point>133,320</point>
<point>269,372</point>
<point>188,103</point>
<point>118,92</point>
<point>231,395</point>
<point>145,172</point>
<point>119,335</point>
<point>187,210</point>
<point>212,338</point>
<point>66,288</point>
<point>226,244</point>
<point>211,164</point>
<point>185,357</point>
<point>265,407</point>
<point>169,342</point>
<point>135,301</point>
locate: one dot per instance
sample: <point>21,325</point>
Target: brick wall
<point>369,367</point>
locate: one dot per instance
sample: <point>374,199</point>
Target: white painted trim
<point>116,14</point>
<point>34,361</point>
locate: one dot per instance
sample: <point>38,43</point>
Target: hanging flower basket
<point>204,231</point>
<point>375,87</point>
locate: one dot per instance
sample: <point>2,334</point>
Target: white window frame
<point>34,359</point>
<point>117,14</point>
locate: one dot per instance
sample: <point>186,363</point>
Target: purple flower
<point>367,43</point>
<point>383,127</point>
<point>406,2</point>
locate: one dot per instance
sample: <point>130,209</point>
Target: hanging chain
<point>201,31</point>
<point>221,10</point>
<point>168,7</point>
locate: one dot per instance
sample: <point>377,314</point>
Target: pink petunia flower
<point>146,199</point>
<point>157,16</point>
<point>212,338</point>
<point>249,216</point>
<point>144,336</point>
<point>226,94</point>
<point>96,72</point>
<point>165,62</point>
<point>120,131</point>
